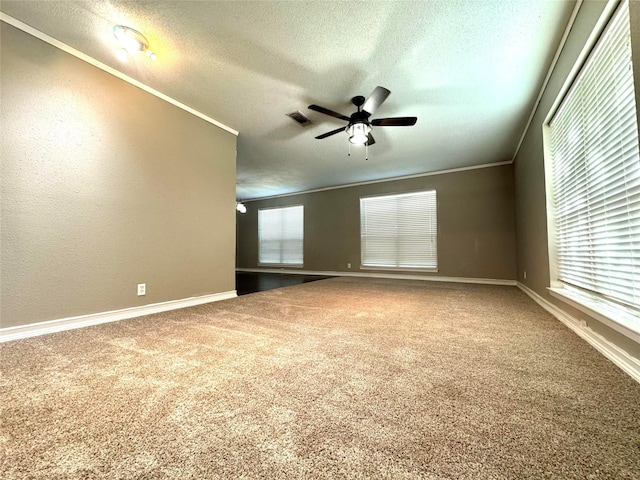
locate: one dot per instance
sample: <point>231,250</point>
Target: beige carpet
<point>338,378</point>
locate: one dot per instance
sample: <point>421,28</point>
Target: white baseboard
<point>627,363</point>
<point>400,276</point>
<point>51,326</point>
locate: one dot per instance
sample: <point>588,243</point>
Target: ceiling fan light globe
<point>359,133</point>
<point>358,139</point>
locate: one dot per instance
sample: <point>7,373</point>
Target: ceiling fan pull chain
<point>366,151</point>
<point>349,154</point>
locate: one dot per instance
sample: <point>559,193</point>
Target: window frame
<point>623,319</point>
<point>288,265</point>
<point>423,269</point>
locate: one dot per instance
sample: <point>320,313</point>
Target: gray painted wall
<point>531,214</point>
<point>105,186</point>
<point>476,236</point>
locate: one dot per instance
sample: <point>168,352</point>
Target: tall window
<point>399,231</point>
<point>281,235</point>
<point>595,169</point>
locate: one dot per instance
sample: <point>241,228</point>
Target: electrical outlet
<point>142,289</point>
<point>525,274</point>
<point>348,265</point>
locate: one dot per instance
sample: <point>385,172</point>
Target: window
<point>594,201</point>
<point>280,235</point>
<point>399,231</point>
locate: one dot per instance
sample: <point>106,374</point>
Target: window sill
<point>399,269</point>
<point>623,320</point>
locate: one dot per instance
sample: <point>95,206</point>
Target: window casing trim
<point>283,265</point>
<point>416,269</point>
<point>619,317</point>
<point>601,25</point>
<point>400,269</point>
<point>288,265</point>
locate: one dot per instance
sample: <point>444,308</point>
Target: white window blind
<point>596,173</point>
<point>399,231</point>
<point>281,235</point>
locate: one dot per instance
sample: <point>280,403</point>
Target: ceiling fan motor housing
<point>359,117</point>
<point>358,101</point>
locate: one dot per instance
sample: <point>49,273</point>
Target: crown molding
<point>552,66</point>
<point>382,180</point>
<point>92,61</point>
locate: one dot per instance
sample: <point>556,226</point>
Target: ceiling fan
<point>359,127</point>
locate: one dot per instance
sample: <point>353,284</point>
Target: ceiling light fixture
<point>359,133</point>
<point>132,41</point>
<point>123,55</point>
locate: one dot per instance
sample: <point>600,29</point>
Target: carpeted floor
<point>339,378</point>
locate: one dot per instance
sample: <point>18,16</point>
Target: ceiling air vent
<point>300,118</point>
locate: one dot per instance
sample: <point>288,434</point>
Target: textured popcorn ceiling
<point>470,70</point>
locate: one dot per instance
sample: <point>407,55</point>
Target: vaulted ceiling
<point>470,70</point>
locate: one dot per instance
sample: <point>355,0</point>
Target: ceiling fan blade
<point>376,98</point>
<point>326,111</point>
<point>395,122</point>
<point>371,140</point>
<point>332,132</point>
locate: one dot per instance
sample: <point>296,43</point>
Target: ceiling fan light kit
<point>359,133</point>
<point>359,127</point>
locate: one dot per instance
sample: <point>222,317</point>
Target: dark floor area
<point>251,282</point>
